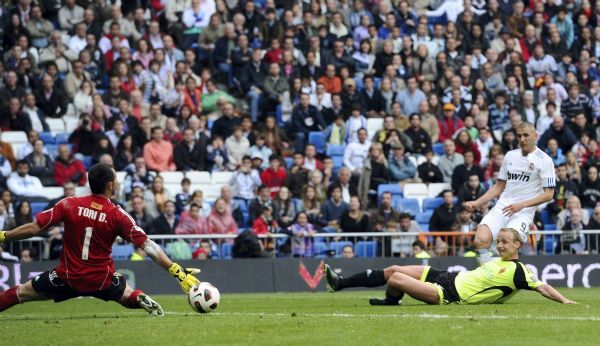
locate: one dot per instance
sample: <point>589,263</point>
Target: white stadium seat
<point>211,192</point>
<point>56,125</point>
<point>71,123</point>
<point>436,188</point>
<point>53,192</point>
<point>415,190</point>
<point>221,178</point>
<point>198,177</point>
<point>82,190</point>
<point>121,176</point>
<point>173,189</point>
<point>14,137</point>
<point>172,177</point>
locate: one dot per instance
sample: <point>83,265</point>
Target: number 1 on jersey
<point>86,243</point>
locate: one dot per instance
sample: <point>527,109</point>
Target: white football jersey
<point>525,176</point>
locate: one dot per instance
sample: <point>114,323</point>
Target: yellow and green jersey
<point>494,282</point>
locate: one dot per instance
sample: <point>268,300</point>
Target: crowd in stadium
<point>312,106</point>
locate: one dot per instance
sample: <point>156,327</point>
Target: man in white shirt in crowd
<point>37,118</point>
<point>357,152</point>
<point>449,160</point>
<point>21,184</point>
<point>245,180</point>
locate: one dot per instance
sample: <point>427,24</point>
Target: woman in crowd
<point>156,196</point>
<point>220,220</point>
<point>285,211</point>
<point>127,152</point>
<point>354,220</point>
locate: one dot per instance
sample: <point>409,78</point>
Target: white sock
<point>483,256</point>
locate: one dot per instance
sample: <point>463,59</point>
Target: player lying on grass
<point>91,223</point>
<point>494,282</point>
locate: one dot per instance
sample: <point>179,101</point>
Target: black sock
<point>393,298</point>
<point>369,278</point>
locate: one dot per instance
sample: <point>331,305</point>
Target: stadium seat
<point>122,252</point>
<point>338,162</point>
<point>71,123</point>
<point>288,161</point>
<point>424,227</point>
<point>366,249</point>
<point>546,217</point>
<point>318,139</point>
<point>37,207</point>
<point>374,125</point>
<point>56,125</point>
<point>221,178</point>
<point>226,251</point>
<point>212,192</point>
<point>14,137</point>
<point>407,205</point>
<point>424,216</point>
<point>82,190</point>
<point>53,192</point>
<point>173,189</point>
<point>172,177</point>
<point>436,188</point>
<point>47,137</point>
<point>61,138</point>
<point>52,150</point>
<point>432,203</point>
<point>320,249</point>
<point>336,150</point>
<point>394,189</point>
<point>121,176</point>
<point>438,148</point>
<point>416,190</point>
<point>197,177</point>
<point>337,246</point>
<point>88,161</point>
<point>550,227</point>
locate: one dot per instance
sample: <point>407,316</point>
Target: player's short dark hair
<point>99,176</point>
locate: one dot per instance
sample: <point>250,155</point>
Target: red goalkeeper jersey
<point>91,224</point>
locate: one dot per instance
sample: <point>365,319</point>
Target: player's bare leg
<point>136,299</point>
<point>18,295</point>
<point>483,242</point>
<point>425,292</point>
<point>393,296</point>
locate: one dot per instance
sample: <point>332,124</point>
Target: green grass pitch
<point>343,318</point>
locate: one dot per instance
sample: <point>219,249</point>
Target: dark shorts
<point>50,285</point>
<point>444,280</point>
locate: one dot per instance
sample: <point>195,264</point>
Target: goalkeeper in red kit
<point>91,223</point>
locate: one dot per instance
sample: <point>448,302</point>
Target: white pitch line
<point>426,316</point>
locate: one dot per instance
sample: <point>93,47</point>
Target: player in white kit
<point>526,179</point>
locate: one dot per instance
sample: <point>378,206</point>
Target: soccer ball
<point>204,297</point>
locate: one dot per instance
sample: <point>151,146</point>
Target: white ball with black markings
<point>204,297</point>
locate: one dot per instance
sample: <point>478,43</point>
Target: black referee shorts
<point>50,285</point>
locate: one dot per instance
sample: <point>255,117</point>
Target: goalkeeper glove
<point>186,277</point>
<point>2,236</point>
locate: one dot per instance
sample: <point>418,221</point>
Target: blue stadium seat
<point>546,217</point>
<point>366,249</point>
<point>550,226</point>
<point>424,216</point>
<point>336,150</point>
<point>122,252</point>
<point>443,19</point>
<point>47,137</point>
<point>288,161</point>
<point>424,227</point>
<point>338,162</point>
<point>407,205</point>
<point>226,251</point>
<point>210,123</point>
<point>318,139</point>
<point>52,150</point>
<point>61,138</point>
<point>279,115</point>
<point>394,189</point>
<point>432,203</point>
<point>320,249</point>
<point>549,244</point>
<point>438,148</point>
<point>338,246</point>
<point>88,161</point>
<point>37,207</point>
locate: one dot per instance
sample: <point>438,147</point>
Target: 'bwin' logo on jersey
<point>518,176</point>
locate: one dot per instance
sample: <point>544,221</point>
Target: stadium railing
<point>373,244</point>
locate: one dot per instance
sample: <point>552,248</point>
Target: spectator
<point>411,97</point>
<point>470,190</point>
<point>68,191</point>
<point>450,160</point>
<point>50,99</point>
<point>188,155</point>
<point>571,240</point>
<point>13,118</point>
<point>155,197</point>
<point>70,15</point>
<point>158,153</point>
<point>375,172</point>
<point>401,246</point>
<point>68,168</point>
<point>428,171</point>
<point>220,220</point>
<point>306,118</point>
<point>127,152</point>
<point>418,250</point>
<point>36,117</point>
<point>237,146</point>
<point>332,210</point>
<point>590,188</point>
<point>284,208</point>
<point>564,189</point>
<point>38,27</point>
<point>167,221</point>
<point>41,164</point>
<point>356,122</point>
<point>139,213</point>
<point>449,123</point>
<point>23,213</point>
<point>302,231</point>
<point>347,252</point>
<point>463,171</point>
<point>573,203</point>
<point>443,216</point>
<point>356,152</point>
<point>562,134</point>
<point>555,152</point>
<point>576,103</point>
<point>192,222</point>
<point>139,176</point>
<point>267,225</point>
<point>261,149</point>
<point>402,169</point>
<point>390,135</point>
<point>310,204</point>
<point>197,197</point>
<point>245,180</point>
<point>354,219</point>
<point>419,137</point>
<point>226,123</point>
<point>182,199</point>
<point>9,205</point>
<point>204,252</point>
<point>217,155</point>
<point>594,224</point>
<point>262,199</point>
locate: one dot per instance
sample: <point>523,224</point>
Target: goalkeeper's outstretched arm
<point>25,231</point>
<point>185,276</point>
<point>551,293</point>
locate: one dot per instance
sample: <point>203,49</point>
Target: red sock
<point>9,298</point>
<point>132,300</point>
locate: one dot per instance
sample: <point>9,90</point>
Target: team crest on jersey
<point>502,270</point>
<point>531,167</point>
<point>96,206</point>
